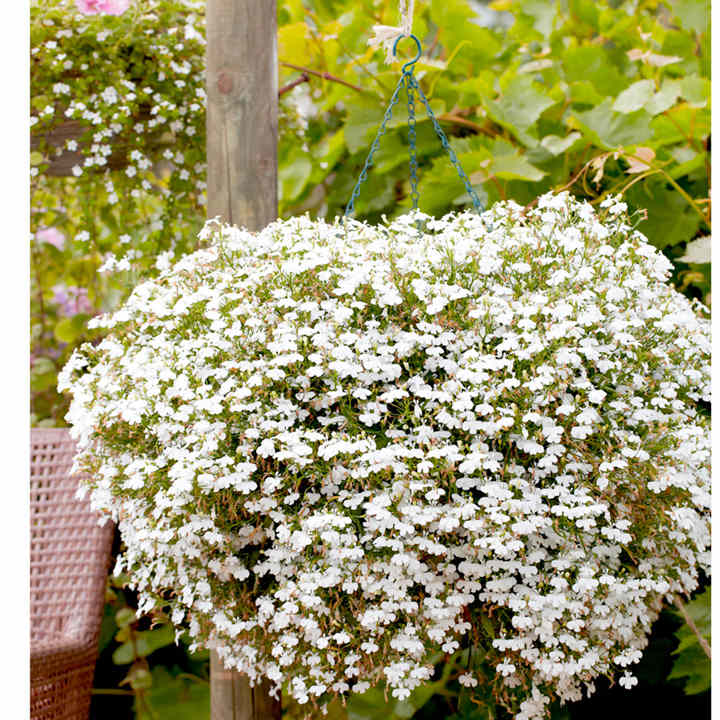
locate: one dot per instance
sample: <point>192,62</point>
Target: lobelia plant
<point>118,106</point>
<point>337,451</point>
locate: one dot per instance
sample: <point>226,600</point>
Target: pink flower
<point>105,7</point>
<point>51,235</point>
<point>71,300</point>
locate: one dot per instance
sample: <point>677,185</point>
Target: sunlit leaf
<point>634,97</point>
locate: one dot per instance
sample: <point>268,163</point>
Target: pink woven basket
<point>69,562</point>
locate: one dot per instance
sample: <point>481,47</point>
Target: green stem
<point>693,204</point>
<point>704,644</point>
<point>623,185</point>
<point>195,678</point>
<point>102,691</point>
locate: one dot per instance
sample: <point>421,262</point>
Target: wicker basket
<point>69,562</point>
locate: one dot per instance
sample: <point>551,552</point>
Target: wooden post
<point>242,110</point>
<point>242,92</point>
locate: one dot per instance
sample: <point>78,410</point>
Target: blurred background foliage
<point>593,97</point>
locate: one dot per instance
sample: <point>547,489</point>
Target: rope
<point>386,35</point>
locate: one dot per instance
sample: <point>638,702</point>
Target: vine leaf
<point>692,663</point>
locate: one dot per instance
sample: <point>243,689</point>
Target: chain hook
<point>409,63</point>
<point>413,90</point>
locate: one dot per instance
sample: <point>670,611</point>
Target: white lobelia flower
<point>341,446</point>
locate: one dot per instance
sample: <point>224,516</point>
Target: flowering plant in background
<point>337,451</point>
<point>119,108</point>
<point>118,159</point>
<point>71,300</point>
<point>52,236</point>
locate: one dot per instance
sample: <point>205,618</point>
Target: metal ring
<point>419,50</point>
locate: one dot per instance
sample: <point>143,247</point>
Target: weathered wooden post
<point>242,189</point>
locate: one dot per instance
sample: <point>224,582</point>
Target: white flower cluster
<point>337,450</point>
<point>130,91</point>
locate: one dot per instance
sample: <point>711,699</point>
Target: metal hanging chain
<point>477,204</point>
<point>412,140</point>
<point>407,80</point>
<point>369,161</point>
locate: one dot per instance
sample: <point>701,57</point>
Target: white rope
<point>386,35</point>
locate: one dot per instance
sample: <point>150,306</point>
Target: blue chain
<point>369,161</point>
<point>446,144</point>
<point>412,139</point>
<point>407,80</point>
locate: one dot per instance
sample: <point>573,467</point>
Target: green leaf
<point>692,663</point>
<point>124,616</point>
<point>108,627</point>
<point>682,122</point>
<point>696,90</point>
<point>124,655</point>
<point>635,97</point>
<point>556,145</point>
<point>68,330</point>
<point>542,13</point>
<point>175,698</point>
<point>140,678</point>
<point>488,626</point>
<point>294,175</point>
<point>692,14</point>
<point>594,64</point>
<point>609,129</point>
<point>362,121</point>
<point>328,152</point>
<point>515,167</point>
<point>681,44</point>
<point>670,219</point>
<point>475,90</point>
<point>108,217</point>
<point>700,611</point>
<point>440,187</point>
<point>586,10</point>
<point>400,112</point>
<point>519,107</point>
<point>664,98</point>
<point>694,666</point>
<point>39,102</point>
<point>371,705</point>
<point>148,641</point>
<point>293,44</point>
<point>694,161</point>
<point>584,93</point>
<point>455,20</point>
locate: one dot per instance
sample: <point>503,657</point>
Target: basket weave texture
<point>69,562</point>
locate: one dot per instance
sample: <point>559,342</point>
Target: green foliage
<point>174,696</point>
<point>118,163</point>
<point>692,663</point>
<point>566,91</point>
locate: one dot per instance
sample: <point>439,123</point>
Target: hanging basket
<point>340,451</point>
